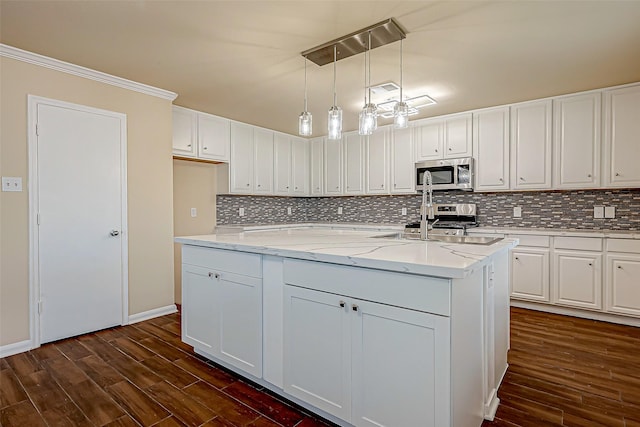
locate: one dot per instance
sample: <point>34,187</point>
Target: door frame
<point>33,185</point>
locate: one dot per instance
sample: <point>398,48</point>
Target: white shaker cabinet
<point>316,166</point>
<point>354,157</point>
<point>333,167</point>
<point>491,149</point>
<point>531,145</point>
<point>577,272</point>
<point>282,164</point>
<point>299,167</point>
<point>403,179</point>
<point>263,161</point>
<point>623,277</point>
<point>622,137</point>
<point>530,268</point>
<point>200,135</point>
<point>198,293</point>
<point>185,132</point>
<point>291,170</point>
<point>242,163</point>
<point>377,162</point>
<point>444,137</point>
<point>576,141</point>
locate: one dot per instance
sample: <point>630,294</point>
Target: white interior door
<point>80,236</point>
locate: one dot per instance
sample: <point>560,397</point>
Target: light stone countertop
<point>358,248</point>
<point>568,232</point>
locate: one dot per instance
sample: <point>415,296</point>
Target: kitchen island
<point>360,328</point>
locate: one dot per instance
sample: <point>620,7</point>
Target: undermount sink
<point>467,240</point>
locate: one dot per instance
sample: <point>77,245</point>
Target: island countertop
<point>358,248</point>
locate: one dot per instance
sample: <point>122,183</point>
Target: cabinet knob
<point>296,188</point>
<point>189,145</point>
<point>204,148</point>
<point>521,179</point>
<point>287,187</point>
<point>337,187</point>
<point>247,184</point>
<point>259,185</point>
<point>501,180</point>
<point>588,175</point>
<point>517,259</point>
<point>317,188</point>
<point>449,148</point>
<point>354,307</point>
<point>214,275</point>
<point>590,264</point>
<point>342,304</point>
<point>617,174</point>
<point>620,267</point>
<point>381,185</point>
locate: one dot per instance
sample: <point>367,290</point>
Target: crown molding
<point>87,73</point>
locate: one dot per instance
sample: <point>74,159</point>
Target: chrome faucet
<point>426,208</point>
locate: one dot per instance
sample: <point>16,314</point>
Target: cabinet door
<point>623,285</point>
<point>282,163</point>
<point>530,274</point>
<point>576,141</point>
<point>317,350</point>
<point>491,149</point>
<point>531,145</point>
<point>403,179</point>
<point>353,163</point>
<point>263,160</point>
<point>199,326</point>
<point>333,167</point>
<point>185,130</point>
<point>316,166</point>
<point>241,164</point>
<point>377,162</point>
<point>457,136</point>
<point>239,306</point>
<point>577,279</point>
<point>299,167</point>
<point>213,137</point>
<point>416,342</point>
<point>429,138</point>
<point>622,127</point>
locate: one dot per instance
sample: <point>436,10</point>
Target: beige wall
<point>149,187</point>
<point>194,186</point>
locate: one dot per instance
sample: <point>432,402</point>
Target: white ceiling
<point>241,59</point>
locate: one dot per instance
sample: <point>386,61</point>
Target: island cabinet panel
<point>222,306</point>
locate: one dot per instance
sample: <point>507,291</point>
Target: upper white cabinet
<point>491,149</point>
<point>444,137</point>
<point>354,157</point>
<point>200,135</point>
<point>291,165</point>
<point>299,167</point>
<point>333,167</point>
<point>263,161</point>
<point>576,140</point>
<point>531,145</point>
<point>242,160</point>
<point>282,164</point>
<point>377,162</point>
<point>622,137</point>
<point>316,166</point>
<point>403,179</point>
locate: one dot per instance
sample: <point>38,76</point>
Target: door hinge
<point>38,218</point>
<point>39,307</point>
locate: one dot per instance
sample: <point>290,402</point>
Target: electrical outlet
<point>11,183</point>
<point>610,212</point>
<point>517,212</point>
<point>340,210</point>
<point>289,210</point>
<point>194,212</point>
<point>404,211</point>
<point>598,212</point>
<point>241,211</point>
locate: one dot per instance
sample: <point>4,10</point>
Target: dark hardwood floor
<point>563,371</point>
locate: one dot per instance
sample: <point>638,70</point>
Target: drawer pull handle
<point>354,307</point>
<point>342,304</point>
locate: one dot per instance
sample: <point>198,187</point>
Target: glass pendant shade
<point>368,119</point>
<point>401,115</point>
<point>335,122</point>
<point>305,124</point>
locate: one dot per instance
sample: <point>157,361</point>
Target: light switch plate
<point>340,210</point>
<point>610,212</point>
<point>598,212</point>
<point>289,210</point>
<point>404,211</point>
<point>517,212</point>
<point>241,211</point>
<point>11,183</point>
<point>194,212</point>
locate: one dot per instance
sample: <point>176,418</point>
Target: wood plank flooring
<point>563,371</point>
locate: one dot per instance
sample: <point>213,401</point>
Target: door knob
<point>114,233</point>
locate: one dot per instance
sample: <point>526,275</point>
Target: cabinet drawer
<point>428,294</point>
<point>219,259</point>
<point>578,243</point>
<point>623,245</point>
<point>531,240</point>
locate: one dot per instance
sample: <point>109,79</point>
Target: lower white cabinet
<point>577,279</point>
<point>623,283</point>
<point>222,306</point>
<point>349,358</point>
<point>530,273</point>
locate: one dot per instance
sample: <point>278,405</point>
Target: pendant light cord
<point>335,56</point>
<point>369,55</point>
<point>305,83</point>
<point>401,71</point>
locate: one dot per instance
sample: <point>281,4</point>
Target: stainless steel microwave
<point>448,174</point>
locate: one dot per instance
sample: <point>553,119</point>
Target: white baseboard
<point>15,348</point>
<point>575,312</point>
<point>150,314</point>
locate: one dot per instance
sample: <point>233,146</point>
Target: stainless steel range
<point>449,219</point>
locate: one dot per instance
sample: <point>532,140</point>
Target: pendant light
<point>401,109</point>
<point>335,112</point>
<point>369,115</point>
<point>305,121</point>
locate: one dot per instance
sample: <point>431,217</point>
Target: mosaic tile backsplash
<point>540,209</point>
